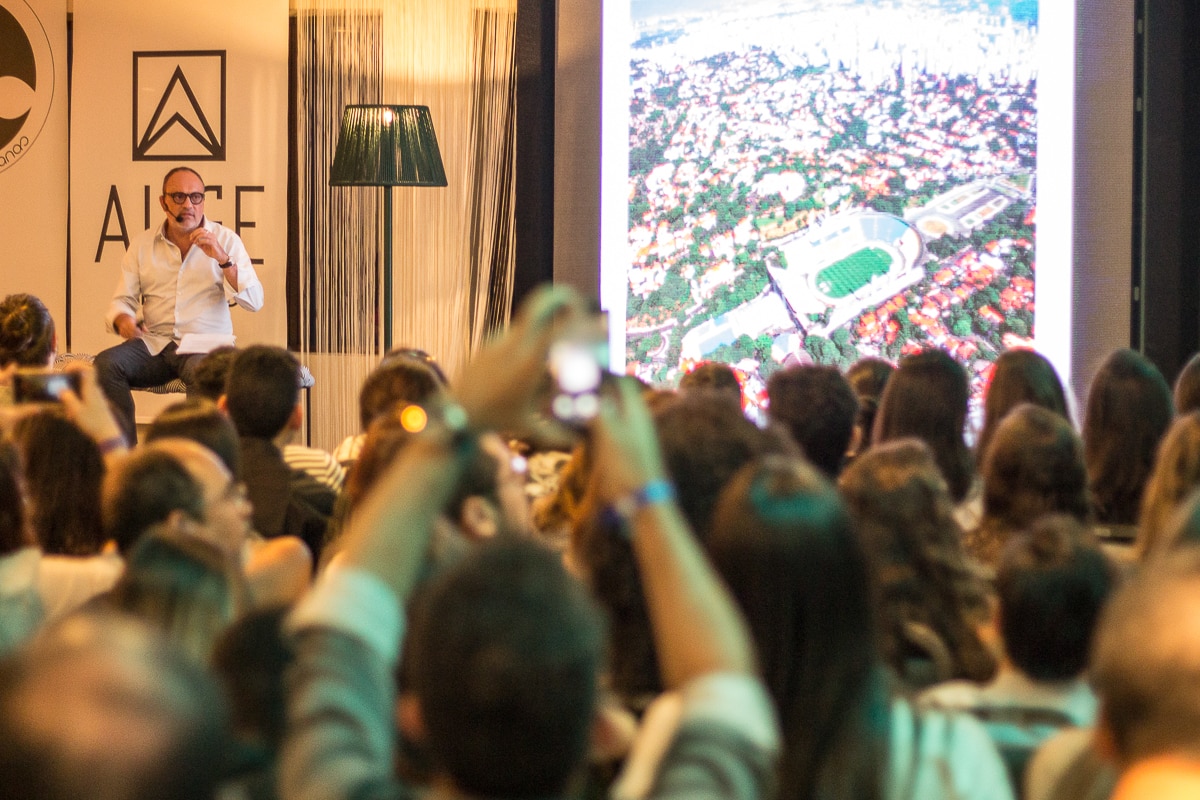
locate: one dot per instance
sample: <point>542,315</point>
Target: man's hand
<point>128,327</point>
<point>207,242</point>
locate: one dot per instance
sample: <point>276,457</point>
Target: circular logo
<point>26,80</point>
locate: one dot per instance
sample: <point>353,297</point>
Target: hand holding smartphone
<point>43,385</point>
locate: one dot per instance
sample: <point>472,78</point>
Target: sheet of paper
<point>192,343</point>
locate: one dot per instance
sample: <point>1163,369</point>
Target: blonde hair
<point>1176,473</point>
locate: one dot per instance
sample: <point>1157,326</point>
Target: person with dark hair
<point>21,610</point>
<point>27,336</point>
<point>1176,474</point>
<point>262,398</point>
<point>930,598</point>
<point>177,278</point>
<point>1052,584</point>
<point>1129,409</point>
<point>1019,376</point>
<point>785,545</point>
<point>818,407</point>
<point>411,354</point>
<point>212,371</point>
<point>704,442</point>
<point>394,383</point>
<point>63,470</point>
<point>506,648</point>
<point>926,398</point>
<point>1033,467</point>
<point>713,376</point>
<point>102,707</point>
<point>147,488</point>
<point>868,377</point>
<point>1187,387</point>
<point>199,420</point>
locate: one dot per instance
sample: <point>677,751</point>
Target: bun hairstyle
<point>26,332</point>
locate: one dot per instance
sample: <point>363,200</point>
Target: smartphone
<point>42,385</point>
<point>578,368</point>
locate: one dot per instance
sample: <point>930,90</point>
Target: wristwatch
<point>226,265</point>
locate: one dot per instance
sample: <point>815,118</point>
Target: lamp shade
<point>387,146</point>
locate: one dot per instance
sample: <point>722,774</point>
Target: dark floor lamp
<point>387,146</point>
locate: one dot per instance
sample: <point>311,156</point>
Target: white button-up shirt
<point>179,295</point>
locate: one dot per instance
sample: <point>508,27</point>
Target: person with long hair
<point>926,398</point>
<point>868,378</point>
<point>1176,473</point>
<point>786,546</point>
<point>1129,408</point>
<point>64,470</point>
<point>1034,466</point>
<point>1019,376</point>
<point>931,598</point>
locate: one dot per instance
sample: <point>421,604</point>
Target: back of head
<point>716,377</point>
<point>201,421</point>
<point>506,650</point>
<point>926,398</point>
<point>144,490</point>
<point>818,407</point>
<point>1033,466</point>
<point>1145,664</point>
<point>1019,376</point>
<point>904,517</point>
<point>416,354</point>
<point>181,585</point>
<point>261,390</point>
<point>1052,584</point>
<point>100,707</point>
<point>212,373</point>
<point>1187,387</point>
<point>1176,473</point>
<point>14,530</point>
<point>250,658</point>
<point>1129,408</point>
<point>26,332</point>
<point>395,382</point>
<point>705,440</point>
<point>868,378</point>
<point>64,470</point>
<point>784,544</point>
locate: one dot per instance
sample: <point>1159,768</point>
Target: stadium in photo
<point>851,262</point>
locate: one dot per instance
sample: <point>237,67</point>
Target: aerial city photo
<point>825,180</point>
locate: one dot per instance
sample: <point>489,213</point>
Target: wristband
<point>653,493</point>
<point>111,443</point>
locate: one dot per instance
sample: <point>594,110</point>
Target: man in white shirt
<point>177,278</point>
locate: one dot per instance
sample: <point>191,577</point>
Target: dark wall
<point>1166,319</point>
<point>535,53</point>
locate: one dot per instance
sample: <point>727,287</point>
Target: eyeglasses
<point>178,197</point>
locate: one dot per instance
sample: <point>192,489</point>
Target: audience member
<point>181,585</point>
<point>1187,387</point>
<point>926,398</point>
<point>21,610</point>
<point>27,336</point>
<point>930,598</point>
<point>148,488</point>
<point>508,641</point>
<point>868,377</point>
<point>396,382</point>
<point>1033,466</point>
<point>262,398</point>
<point>211,373</point>
<point>818,407</point>
<point>785,545</point>
<point>1052,584</point>
<point>1176,474</point>
<point>101,707</point>
<point>1019,376</point>
<point>199,420</point>
<point>713,376</point>
<point>1128,411</point>
<point>63,471</point>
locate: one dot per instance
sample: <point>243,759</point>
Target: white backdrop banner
<point>33,152</point>
<point>157,85</point>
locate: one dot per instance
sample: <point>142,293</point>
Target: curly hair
<point>26,332</point>
<point>922,575</point>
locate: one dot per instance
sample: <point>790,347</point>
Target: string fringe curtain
<point>453,248</point>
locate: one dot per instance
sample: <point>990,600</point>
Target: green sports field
<point>853,272</point>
